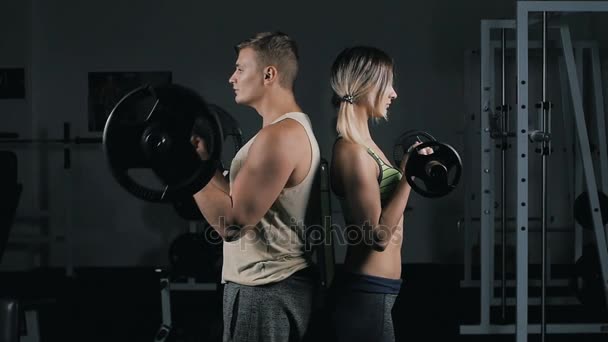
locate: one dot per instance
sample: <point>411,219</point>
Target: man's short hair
<point>277,49</point>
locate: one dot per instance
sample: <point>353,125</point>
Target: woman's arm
<point>359,177</point>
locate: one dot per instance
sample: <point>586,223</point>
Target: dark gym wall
<point>59,42</point>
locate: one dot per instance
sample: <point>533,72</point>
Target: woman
<point>373,195</point>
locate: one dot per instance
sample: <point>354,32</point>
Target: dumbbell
<point>433,175</point>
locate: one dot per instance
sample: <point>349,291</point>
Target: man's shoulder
<point>277,135</point>
<point>295,116</point>
<point>287,127</point>
<point>286,135</point>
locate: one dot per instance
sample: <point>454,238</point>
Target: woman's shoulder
<point>348,149</point>
<point>350,157</point>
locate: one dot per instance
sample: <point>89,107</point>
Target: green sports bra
<point>388,178</point>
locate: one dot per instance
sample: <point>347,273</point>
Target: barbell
<point>150,128</point>
<point>186,207</point>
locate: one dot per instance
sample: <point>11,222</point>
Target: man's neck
<point>276,104</point>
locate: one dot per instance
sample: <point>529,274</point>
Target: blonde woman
<point>373,196</point>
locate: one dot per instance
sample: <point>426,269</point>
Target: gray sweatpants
<point>278,312</point>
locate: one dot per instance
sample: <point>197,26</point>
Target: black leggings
<point>360,314</point>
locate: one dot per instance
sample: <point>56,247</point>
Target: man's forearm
<point>216,206</point>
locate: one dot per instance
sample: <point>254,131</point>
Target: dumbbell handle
<point>409,149</point>
<point>428,169</point>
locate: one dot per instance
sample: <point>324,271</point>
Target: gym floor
<point>102,304</point>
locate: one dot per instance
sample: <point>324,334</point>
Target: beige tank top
<point>276,248</point>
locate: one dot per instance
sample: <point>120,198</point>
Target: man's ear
<point>270,73</point>
<point>195,140</point>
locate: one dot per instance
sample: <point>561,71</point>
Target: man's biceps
<point>263,167</point>
<point>264,177</point>
<point>263,152</point>
<point>257,182</point>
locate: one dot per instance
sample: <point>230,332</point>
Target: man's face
<point>247,80</point>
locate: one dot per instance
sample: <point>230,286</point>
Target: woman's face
<point>384,101</point>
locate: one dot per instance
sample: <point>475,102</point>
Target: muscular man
<point>259,212</point>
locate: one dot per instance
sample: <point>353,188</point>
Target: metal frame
<point>599,111</point>
<point>166,287</point>
<point>486,244</point>
<point>488,155</point>
<point>521,328</point>
<point>588,169</point>
<point>467,222</point>
<point>598,97</point>
<point>572,166</point>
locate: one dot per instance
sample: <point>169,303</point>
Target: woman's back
<point>357,180</point>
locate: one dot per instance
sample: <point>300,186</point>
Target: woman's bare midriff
<point>362,258</point>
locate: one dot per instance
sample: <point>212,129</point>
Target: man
<point>268,293</point>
